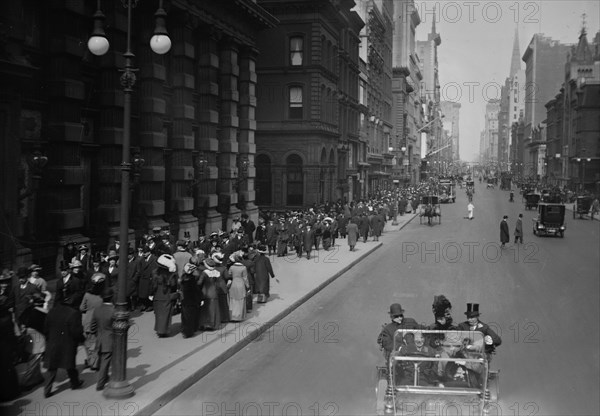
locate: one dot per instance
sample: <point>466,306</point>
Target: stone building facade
<point>307,140</point>
<point>194,104</point>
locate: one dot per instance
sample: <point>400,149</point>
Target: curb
<point>176,390</point>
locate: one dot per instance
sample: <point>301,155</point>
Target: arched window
<point>295,181</point>
<point>263,180</point>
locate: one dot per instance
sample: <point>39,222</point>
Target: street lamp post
<point>118,387</point>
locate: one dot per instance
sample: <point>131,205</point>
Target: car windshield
<point>439,361</point>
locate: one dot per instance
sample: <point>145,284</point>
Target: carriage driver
<point>386,337</point>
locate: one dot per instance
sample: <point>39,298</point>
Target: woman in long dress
<point>164,290</point>
<point>210,316</point>
<point>238,290</point>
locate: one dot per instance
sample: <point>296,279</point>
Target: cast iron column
<point>118,386</point>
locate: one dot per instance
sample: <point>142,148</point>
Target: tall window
<point>295,182</point>
<point>296,51</point>
<point>295,102</point>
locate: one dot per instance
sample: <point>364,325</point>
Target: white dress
<point>470,207</point>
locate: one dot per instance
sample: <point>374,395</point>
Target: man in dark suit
<point>133,278</point>
<point>64,332</point>
<point>102,320</point>
<point>146,267</point>
<point>83,257</point>
<point>68,283</point>
<point>308,238</point>
<point>504,233</point>
<point>249,227</point>
<point>386,337</point>
<point>490,338</point>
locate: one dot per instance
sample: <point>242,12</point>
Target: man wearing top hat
<point>490,338</point>
<point>386,337</point>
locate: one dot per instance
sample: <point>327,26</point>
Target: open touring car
<point>448,374</point>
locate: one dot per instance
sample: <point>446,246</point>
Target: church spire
<point>515,63</point>
<point>433,36</point>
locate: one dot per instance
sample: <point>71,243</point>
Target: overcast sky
<point>477,40</point>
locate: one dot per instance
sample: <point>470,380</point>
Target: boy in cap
<point>386,337</point>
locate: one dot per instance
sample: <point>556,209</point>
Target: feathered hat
<point>440,305</point>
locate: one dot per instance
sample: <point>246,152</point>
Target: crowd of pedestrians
<point>211,281</point>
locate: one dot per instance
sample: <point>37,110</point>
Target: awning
<point>379,173</point>
<point>363,164</point>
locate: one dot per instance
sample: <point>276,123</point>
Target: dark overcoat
<point>145,271</point>
<point>519,228</point>
<point>504,234</point>
<point>352,231</point>
<point>263,270</point>
<point>64,332</point>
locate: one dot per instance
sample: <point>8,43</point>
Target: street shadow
<point>134,352</point>
<point>137,372</point>
<point>15,408</point>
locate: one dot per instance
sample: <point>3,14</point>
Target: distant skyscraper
<point>544,72</point>
<point>451,111</point>
<point>515,97</point>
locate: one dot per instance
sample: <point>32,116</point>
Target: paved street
<point>542,298</point>
<point>160,369</point>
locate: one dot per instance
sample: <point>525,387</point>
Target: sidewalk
<point>160,369</point>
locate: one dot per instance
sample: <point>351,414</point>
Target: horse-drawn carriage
<point>447,191</point>
<point>532,200</point>
<point>471,186</point>
<point>430,208</point>
<point>451,375</point>
<point>582,206</point>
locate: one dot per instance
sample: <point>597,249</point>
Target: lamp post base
<point>118,390</point>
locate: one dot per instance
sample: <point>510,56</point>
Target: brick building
<point>307,139</point>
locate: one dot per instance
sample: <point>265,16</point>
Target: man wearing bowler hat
<point>386,337</point>
<point>490,338</point>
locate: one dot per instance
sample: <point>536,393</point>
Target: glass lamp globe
<point>160,44</point>
<point>98,45</point>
